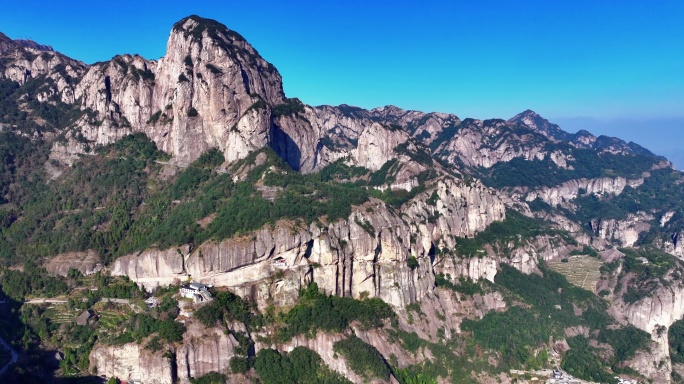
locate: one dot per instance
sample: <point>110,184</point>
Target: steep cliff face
<point>23,60</point>
<point>203,350</point>
<point>566,192</point>
<point>484,143</point>
<point>626,232</point>
<point>87,263</point>
<point>209,90</point>
<point>376,146</point>
<point>676,246</point>
<point>366,253</point>
<point>131,362</point>
<point>654,314</point>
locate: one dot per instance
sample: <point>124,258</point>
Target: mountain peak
<point>533,120</point>
<point>195,26</point>
<point>32,44</point>
<point>528,112</point>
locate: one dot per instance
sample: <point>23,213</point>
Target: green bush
<point>302,365</point>
<point>676,341</point>
<point>625,341</point>
<point>332,313</point>
<point>210,378</point>
<point>412,262</point>
<point>362,358</point>
<point>464,285</point>
<point>239,364</point>
<point>226,306</point>
<point>291,107</point>
<point>154,118</point>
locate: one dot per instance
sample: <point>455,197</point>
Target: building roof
<point>198,286</point>
<point>82,319</point>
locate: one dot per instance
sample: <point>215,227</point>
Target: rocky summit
<point>183,221</point>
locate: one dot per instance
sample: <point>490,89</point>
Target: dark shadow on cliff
<point>285,147</point>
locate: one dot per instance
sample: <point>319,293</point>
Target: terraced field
<point>582,271</point>
<point>111,320</point>
<point>59,314</point>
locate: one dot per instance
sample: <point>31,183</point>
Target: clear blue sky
<point>612,60</point>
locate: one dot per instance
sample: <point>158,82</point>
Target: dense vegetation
<point>676,340</point>
<point>517,333</point>
<point>33,280</point>
<point>515,230</point>
<point>587,163</point>
<point>317,311</point>
<point>302,365</point>
<point>362,358</point>
<point>99,203</point>
<point>90,208</point>
<point>646,269</point>
<point>31,326</point>
<point>226,306</point>
<point>209,378</point>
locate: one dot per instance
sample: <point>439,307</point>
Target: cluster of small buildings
<point>198,292</point>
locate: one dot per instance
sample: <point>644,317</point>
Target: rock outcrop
<point>131,362</point>
<point>626,232</point>
<point>654,314</point>
<point>568,191</point>
<point>211,89</point>
<point>203,350</point>
<point>365,253</point>
<point>86,263</point>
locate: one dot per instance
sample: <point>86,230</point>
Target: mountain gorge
<point>341,244</point>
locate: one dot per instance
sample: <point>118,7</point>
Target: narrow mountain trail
<point>15,356</point>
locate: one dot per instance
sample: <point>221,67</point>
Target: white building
<point>279,263</point>
<point>196,291</point>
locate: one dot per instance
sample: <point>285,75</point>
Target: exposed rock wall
<point>202,351</point>
<point>364,254</point>
<point>205,93</point>
<point>483,144</point>
<point>569,190</point>
<point>626,231</point>
<point>654,314</point>
<point>131,362</point>
<point>376,146</point>
<point>87,263</point>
